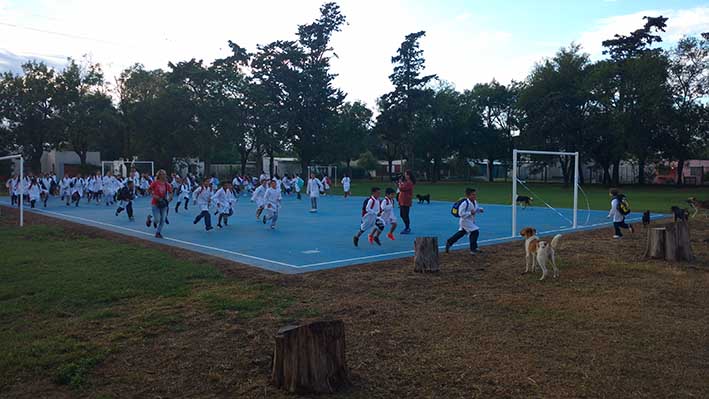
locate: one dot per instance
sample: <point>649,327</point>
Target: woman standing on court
<point>406,196</point>
<point>161,191</point>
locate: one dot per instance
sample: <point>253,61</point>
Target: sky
<point>467,41</point>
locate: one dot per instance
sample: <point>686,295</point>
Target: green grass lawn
<point>57,289</point>
<point>654,198</point>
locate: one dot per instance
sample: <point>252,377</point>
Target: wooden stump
<point>311,358</point>
<point>671,243</point>
<point>426,254</point>
<point>655,243</point>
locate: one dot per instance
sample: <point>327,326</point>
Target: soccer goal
<point>20,185</point>
<point>528,167</point>
<point>324,170</point>
<point>122,167</point>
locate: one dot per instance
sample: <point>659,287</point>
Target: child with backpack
<point>371,209</point>
<point>387,215</point>
<point>466,209</point>
<point>125,196</point>
<point>620,208</point>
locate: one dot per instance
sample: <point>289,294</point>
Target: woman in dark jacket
<point>406,196</point>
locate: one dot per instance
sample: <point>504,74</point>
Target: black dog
<point>680,213</point>
<point>646,218</point>
<point>524,201</point>
<point>424,198</point>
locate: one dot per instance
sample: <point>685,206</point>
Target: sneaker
<point>209,228</point>
<point>195,221</point>
<point>355,241</point>
<point>219,225</point>
<point>476,250</point>
<point>148,221</point>
<point>118,211</point>
<point>273,227</point>
<point>448,248</point>
<point>406,231</point>
<point>616,237</point>
<point>313,210</point>
<point>391,236</point>
<point>132,219</point>
<point>158,235</point>
<point>167,221</point>
<point>473,252</point>
<point>376,240</point>
<point>371,239</point>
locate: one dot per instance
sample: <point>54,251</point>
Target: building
<point>61,162</point>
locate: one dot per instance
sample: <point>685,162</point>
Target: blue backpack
<point>455,211</point>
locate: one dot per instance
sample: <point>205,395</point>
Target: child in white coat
<point>313,190</point>
<point>272,203</point>
<point>258,197</point>
<point>203,198</point>
<point>371,209</point>
<point>467,211</point>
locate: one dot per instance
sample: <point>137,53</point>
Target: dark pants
<point>460,234</point>
<point>128,208</point>
<point>618,225</point>
<point>404,213</point>
<point>207,218</point>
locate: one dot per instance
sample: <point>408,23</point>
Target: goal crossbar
<point>21,184</point>
<point>127,164</point>
<point>515,154</point>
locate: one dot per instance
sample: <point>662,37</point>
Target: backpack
<point>364,205</point>
<point>623,204</point>
<point>456,207</point>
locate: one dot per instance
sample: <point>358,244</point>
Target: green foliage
<point>367,161</point>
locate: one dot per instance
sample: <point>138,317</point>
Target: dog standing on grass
<point>646,218</point>
<point>539,252</point>
<point>524,201</point>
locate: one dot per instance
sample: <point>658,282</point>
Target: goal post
<point>123,166</point>
<point>515,157</point>
<point>21,184</point>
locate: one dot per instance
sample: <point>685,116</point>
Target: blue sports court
<point>305,241</point>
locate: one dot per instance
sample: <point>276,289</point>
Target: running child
<point>224,199</point>
<point>346,185</point>
<point>619,209</point>
<point>272,203</point>
<point>125,196</point>
<point>387,215</point>
<point>183,194</point>
<point>203,197</point>
<point>258,197</point>
<point>370,213</point>
<point>467,209</point>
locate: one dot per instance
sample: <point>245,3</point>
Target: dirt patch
<point>613,325</point>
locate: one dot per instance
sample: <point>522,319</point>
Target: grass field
<point>87,313</point>
<point>658,199</point>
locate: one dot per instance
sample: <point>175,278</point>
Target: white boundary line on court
<point>61,215</point>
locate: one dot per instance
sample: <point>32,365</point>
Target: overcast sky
<point>468,41</point>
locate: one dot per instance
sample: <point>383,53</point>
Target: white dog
<point>539,252</point>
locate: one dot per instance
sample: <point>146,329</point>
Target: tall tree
<point>316,101</point>
<point>689,82</point>
<point>494,105</point>
<point>28,111</point>
<point>409,87</point>
<point>352,131</point>
<point>642,90</point>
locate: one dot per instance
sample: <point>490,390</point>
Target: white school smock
<point>272,199</point>
<point>79,184</point>
<point>33,191</point>
<point>258,195</point>
<point>467,212</point>
<point>221,200</point>
<point>614,212</point>
<point>387,215</point>
<point>371,211</point>
<point>314,188</point>
<point>202,196</point>
<point>346,184</point>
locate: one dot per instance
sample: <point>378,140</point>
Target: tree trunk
<point>304,168</point>
<point>680,170</point>
<point>671,243</point>
<point>655,248</point>
<point>606,174</point>
<point>271,163</point>
<point>641,171</point>
<point>244,153</point>
<point>616,173</point>
<point>490,177</point>
<point>310,358</point>
<point>426,254</point>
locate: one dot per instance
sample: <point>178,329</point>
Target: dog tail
<point>556,241</point>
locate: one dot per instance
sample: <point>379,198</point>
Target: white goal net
<point>123,167</point>
<point>529,166</point>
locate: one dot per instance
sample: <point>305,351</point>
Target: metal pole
<point>22,192</point>
<point>514,193</point>
<point>576,189</point>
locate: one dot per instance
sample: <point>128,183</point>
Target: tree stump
<point>310,358</point>
<point>426,254</point>
<point>671,243</point>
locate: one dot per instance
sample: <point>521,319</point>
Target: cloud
<point>681,22</point>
